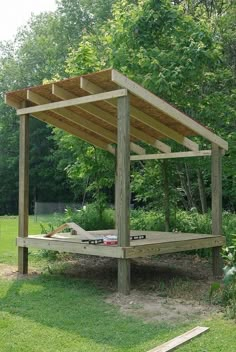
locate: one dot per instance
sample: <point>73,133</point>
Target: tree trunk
<point>189,190</point>
<point>166,195</point>
<point>202,192</point>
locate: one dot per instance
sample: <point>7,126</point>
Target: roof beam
<point>9,101</point>
<point>171,155</point>
<point>98,113</point>
<point>70,115</point>
<point>73,129</point>
<point>73,102</point>
<point>166,108</point>
<point>147,120</point>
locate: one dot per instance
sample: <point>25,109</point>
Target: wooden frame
<point>107,109</point>
<point>23,191</point>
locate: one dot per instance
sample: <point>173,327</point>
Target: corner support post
<point>123,191</point>
<point>23,191</point>
<point>216,189</point>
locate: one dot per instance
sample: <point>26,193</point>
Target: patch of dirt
<point>153,308</point>
<point>168,289</point>
<point>10,272</point>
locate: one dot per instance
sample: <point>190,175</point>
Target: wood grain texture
<point>123,191</point>
<point>23,190</point>
<point>216,184</point>
<point>163,106</point>
<point>73,102</point>
<point>180,340</point>
<point>170,155</point>
<point>151,118</point>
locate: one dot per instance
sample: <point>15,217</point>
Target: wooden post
<point>123,191</point>
<point>216,184</point>
<point>23,191</point>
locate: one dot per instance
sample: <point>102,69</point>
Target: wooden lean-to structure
<point>114,113</point>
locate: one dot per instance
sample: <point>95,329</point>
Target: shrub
<point>91,217</point>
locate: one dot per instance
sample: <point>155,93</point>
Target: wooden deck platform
<point>155,243</point>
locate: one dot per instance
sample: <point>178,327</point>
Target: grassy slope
<point>54,313</point>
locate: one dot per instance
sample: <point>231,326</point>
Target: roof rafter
<point>144,118</point>
<point>73,129</point>
<point>94,89</point>
<point>70,115</point>
<point>166,108</point>
<point>73,102</point>
<point>97,112</point>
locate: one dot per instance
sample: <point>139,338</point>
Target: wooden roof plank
<point>73,102</point>
<point>64,94</point>
<point>94,89</point>
<point>72,129</point>
<point>166,108</point>
<point>145,119</point>
<point>70,115</point>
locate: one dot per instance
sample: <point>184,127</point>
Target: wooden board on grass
<point>180,340</point>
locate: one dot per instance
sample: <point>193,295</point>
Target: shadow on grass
<point>77,307</point>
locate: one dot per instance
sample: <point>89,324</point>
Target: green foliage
<point>229,255</point>
<point>181,221</point>
<point>91,217</point>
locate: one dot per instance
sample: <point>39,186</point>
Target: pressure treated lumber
<point>95,111</point>
<point>123,191</point>
<point>180,340</point>
<point>216,191</point>
<point>170,155</point>
<point>163,106</point>
<point>23,191</point>
<point>155,243</point>
<point>94,89</point>
<point>147,120</point>
<point>73,102</point>
<point>73,129</point>
<point>71,225</point>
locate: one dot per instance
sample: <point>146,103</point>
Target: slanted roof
<point>86,106</point>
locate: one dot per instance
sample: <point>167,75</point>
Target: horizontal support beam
<point>70,247</point>
<point>173,247</point>
<point>170,155</point>
<point>73,102</point>
<point>168,109</point>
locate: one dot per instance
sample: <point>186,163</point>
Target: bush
<point>91,218</point>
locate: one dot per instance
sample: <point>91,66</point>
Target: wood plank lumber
<point>123,191</point>
<point>71,225</point>
<point>73,102</point>
<point>166,108</point>
<point>61,245</point>
<point>23,190</point>
<point>180,340</point>
<point>72,116</point>
<point>93,88</point>
<point>98,113</point>
<point>170,155</point>
<point>216,189</point>
<point>145,119</point>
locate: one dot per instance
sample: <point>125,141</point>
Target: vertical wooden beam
<point>216,189</point>
<point>123,191</point>
<point>23,191</point>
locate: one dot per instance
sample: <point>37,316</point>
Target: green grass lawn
<point>62,314</point>
<point>8,234</point>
